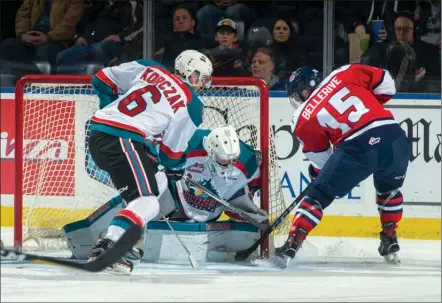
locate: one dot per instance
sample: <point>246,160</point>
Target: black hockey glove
<point>313,172</point>
<point>174,174</point>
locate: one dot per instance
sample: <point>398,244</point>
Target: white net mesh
<point>59,183</point>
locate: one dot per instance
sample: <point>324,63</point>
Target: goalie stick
<point>192,260</point>
<point>244,254</point>
<point>242,213</point>
<point>126,242</point>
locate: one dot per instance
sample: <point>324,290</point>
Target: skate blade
<point>281,261</point>
<point>119,269</point>
<point>392,259</point>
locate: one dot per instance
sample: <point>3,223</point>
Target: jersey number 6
<point>341,105</point>
<point>136,103</point>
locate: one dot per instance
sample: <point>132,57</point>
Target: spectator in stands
<point>229,58</point>
<point>182,38</point>
<point>100,40</point>
<point>43,29</point>
<point>427,62</point>
<point>286,50</point>
<point>263,67</point>
<point>428,17</point>
<point>133,37</point>
<point>357,16</point>
<point>226,34</point>
<point>209,15</point>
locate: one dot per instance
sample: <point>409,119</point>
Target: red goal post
<point>47,108</point>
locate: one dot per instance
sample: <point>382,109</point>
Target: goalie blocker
<point>208,241</point>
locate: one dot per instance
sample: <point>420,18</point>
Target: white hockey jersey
<point>196,204</point>
<point>142,101</point>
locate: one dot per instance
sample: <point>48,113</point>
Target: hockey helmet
<point>302,79</point>
<point>190,61</point>
<point>223,149</point>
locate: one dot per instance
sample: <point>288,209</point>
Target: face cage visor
<point>295,100</point>
<point>205,80</point>
<point>220,166</point>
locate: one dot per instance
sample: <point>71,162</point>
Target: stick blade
<point>243,255</point>
<point>126,242</point>
<point>193,261</point>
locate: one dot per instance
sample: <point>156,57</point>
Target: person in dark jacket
<point>288,53</point>
<point>43,29</point>
<point>100,40</point>
<point>182,38</point>
<point>263,67</point>
<point>427,63</point>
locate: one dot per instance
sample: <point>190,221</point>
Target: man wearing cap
<point>211,13</point>
<point>229,57</point>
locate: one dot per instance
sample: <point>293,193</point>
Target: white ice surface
<point>328,269</point>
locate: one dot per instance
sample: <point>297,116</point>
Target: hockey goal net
<point>56,182</point>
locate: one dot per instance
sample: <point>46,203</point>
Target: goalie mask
<point>222,147</point>
<point>194,68</point>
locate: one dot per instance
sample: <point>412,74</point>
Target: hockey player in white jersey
<point>141,100</point>
<point>218,160</point>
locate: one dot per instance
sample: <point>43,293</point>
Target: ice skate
<point>389,244</point>
<point>123,266</point>
<point>287,252</point>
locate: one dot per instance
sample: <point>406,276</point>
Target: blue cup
<point>376,26</point>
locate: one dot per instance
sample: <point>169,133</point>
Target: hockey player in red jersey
<point>347,135</point>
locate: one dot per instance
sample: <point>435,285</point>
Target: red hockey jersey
<point>348,103</point>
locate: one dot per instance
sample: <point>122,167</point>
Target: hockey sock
<point>307,216</point>
<point>390,210</point>
<point>139,211</point>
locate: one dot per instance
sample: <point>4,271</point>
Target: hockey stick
<point>242,213</point>
<point>192,260</point>
<point>127,241</point>
<point>244,254</point>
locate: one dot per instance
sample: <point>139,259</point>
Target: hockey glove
<point>174,174</point>
<point>313,172</point>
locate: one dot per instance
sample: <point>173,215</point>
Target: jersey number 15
<point>341,105</point>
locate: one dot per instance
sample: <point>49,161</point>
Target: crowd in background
<point>263,39</point>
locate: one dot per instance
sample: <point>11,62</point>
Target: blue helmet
<point>304,78</point>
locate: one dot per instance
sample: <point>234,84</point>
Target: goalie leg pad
<point>82,235</point>
<point>207,241</point>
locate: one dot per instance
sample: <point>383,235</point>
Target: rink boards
<point>354,215</point>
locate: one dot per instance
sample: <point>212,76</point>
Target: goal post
<point>56,181</point>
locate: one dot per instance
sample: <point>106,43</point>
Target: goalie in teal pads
<point>219,161</point>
